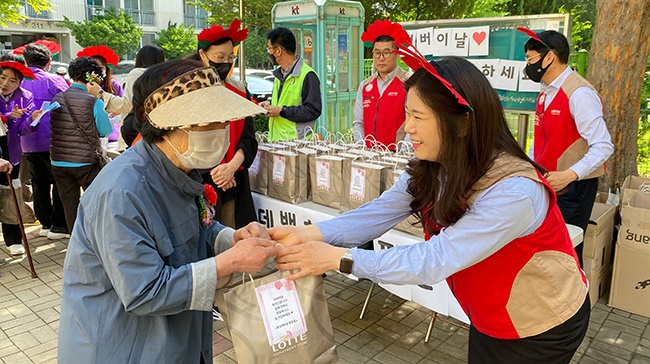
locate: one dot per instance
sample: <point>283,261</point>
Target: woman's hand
<point>16,112</point>
<point>93,88</point>
<point>36,113</point>
<point>310,259</point>
<point>223,174</point>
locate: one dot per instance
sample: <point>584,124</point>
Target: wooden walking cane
<point>22,227</point>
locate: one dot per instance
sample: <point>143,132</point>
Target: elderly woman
<point>143,262</point>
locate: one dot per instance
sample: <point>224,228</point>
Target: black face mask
<point>535,71</point>
<point>273,60</point>
<point>222,69</point>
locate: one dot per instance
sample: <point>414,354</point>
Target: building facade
<point>149,15</point>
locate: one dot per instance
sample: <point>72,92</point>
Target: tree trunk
<point>617,62</point>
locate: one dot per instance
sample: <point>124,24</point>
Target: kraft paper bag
<point>326,176</point>
<point>408,225</point>
<point>258,171</point>
<point>8,208</point>
<point>361,184</point>
<point>288,176</point>
<point>272,320</point>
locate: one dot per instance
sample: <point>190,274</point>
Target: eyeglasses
<point>223,57</point>
<point>378,54</point>
<point>529,59</point>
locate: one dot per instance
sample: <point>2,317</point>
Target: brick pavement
<point>391,332</point>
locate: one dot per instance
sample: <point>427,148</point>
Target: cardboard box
<point>601,261</point>
<point>630,290</point>
<point>635,222</point>
<point>600,231</point>
<point>631,185</point>
<point>598,284</point>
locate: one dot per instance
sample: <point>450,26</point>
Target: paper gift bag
<point>272,320</point>
<point>326,177</point>
<point>288,177</point>
<point>390,176</point>
<point>258,171</point>
<point>361,184</point>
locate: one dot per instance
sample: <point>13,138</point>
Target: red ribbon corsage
<point>207,203</point>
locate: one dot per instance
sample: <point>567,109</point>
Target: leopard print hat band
<point>196,98</point>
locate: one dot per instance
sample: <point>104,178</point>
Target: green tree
<point>115,29</point>
<point>177,41</point>
<point>10,10</point>
<point>489,8</point>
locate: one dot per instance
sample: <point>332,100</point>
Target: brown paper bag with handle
<point>252,336</point>
<point>326,176</point>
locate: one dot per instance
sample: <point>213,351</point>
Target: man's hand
<point>311,258</point>
<point>560,179</point>
<point>252,230</point>
<point>273,110</point>
<point>5,166</point>
<point>16,112</point>
<point>248,256</point>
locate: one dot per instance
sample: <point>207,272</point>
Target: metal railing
<point>30,12</point>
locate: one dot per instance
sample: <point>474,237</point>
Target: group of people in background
<point>148,248</point>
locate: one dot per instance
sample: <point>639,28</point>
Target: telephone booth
<point>328,36</point>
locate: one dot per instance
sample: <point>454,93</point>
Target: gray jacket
<point>139,278</point>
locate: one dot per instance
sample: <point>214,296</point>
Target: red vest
<point>493,292</point>
<point>556,134</point>
<point>236,129</point>
<point>383,115</point>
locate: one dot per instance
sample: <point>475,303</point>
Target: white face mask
<point>205,148</point>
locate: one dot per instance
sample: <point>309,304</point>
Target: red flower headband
<point>100,51</point>
<point>531,33</point>
<point>54,47</point>
<point>27,73</point>
<point>415,60</point>
<point>387,28</point>
<point>216,32</point>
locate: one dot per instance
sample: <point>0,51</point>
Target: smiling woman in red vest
<point>492,226</point>
<point>234,205</point>
<point>379,110</point>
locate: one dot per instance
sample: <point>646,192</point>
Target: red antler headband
<point>52,46</point>
<point>100,51</point>
<point>27,73</point>
<point>415,60</point>
<point>531,33</point>
<point>387,28</point>
<point>216,32</point>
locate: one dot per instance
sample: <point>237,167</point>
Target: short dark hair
<point>283,37</point>
<point>154,77</point>
<point>10,57</point>
<point>37,55</point>
<point>554,41</point>
<point>384,38</point>
<point>82,65</point>
<point>149,55</point>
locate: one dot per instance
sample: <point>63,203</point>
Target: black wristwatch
<point>346,263</point>
<point>100,94</point>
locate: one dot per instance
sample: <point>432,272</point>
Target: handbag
<point>102,159</point>
<point>273,320</point>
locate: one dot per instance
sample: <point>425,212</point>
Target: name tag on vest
<point>393,93</point>
<point>555,112</point>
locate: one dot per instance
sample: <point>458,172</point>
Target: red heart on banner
<point>479,37</point>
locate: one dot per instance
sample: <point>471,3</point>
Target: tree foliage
<point>11,10</point>
<point>115,29</point>
<point>177,41</point>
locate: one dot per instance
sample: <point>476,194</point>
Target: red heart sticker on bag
<point>479,37</point>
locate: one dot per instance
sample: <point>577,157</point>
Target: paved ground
<point>392,331</point>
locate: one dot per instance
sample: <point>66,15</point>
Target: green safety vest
<point>281,128</point>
